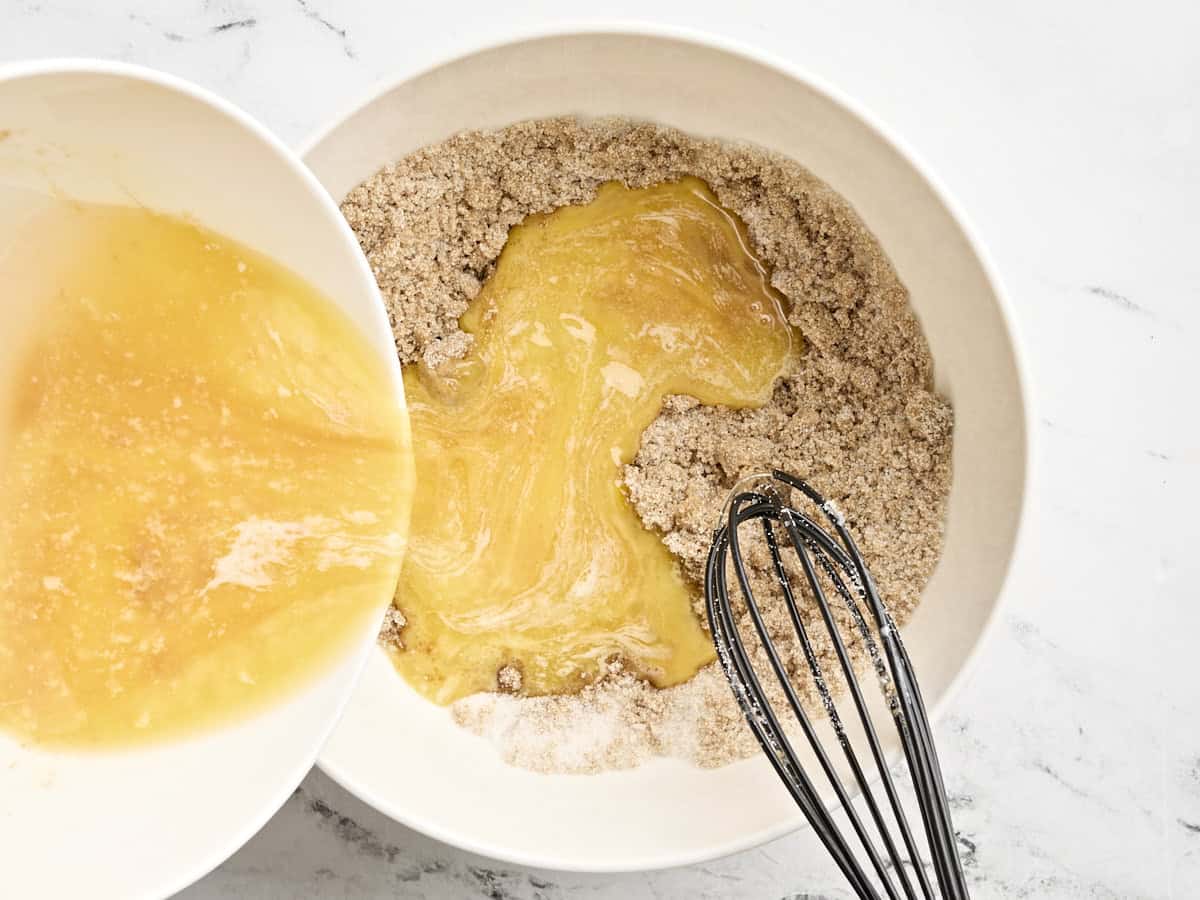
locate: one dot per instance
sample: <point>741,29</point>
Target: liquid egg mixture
<point>525,556</point>
<point>205,483</point>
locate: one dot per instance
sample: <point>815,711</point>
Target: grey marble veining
<point>1070,133</point>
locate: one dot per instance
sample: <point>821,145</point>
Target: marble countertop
<point>1070,133</point>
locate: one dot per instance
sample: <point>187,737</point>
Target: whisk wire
<point>851,680</point>
<point>826,695</point>
<point>913,725</point>
<point>789,690</point>
<point>769,733</point>
<point>772,737</point>
<point>842,565</point>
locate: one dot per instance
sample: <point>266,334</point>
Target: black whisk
<point>891,868</point>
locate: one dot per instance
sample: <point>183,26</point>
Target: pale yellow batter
<point>205,484</point>
<point>524,552</point>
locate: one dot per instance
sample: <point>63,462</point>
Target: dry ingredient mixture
<point>856,414</point>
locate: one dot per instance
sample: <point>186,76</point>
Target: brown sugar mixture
<point>855,413</point>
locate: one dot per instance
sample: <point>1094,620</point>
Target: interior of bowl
<point>404,755</point>
<point>146,822</point>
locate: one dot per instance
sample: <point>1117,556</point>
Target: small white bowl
<point>403,755</point>
<point>147,822</point>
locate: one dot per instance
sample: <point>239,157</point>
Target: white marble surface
<point>1070,132</point>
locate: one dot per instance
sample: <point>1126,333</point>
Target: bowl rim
<point>459,50</point>
<point>357,653</point>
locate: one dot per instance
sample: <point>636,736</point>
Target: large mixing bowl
<point>403,755</point>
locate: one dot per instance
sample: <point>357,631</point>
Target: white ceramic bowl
<point>403,755</point>
<point>146,822</point>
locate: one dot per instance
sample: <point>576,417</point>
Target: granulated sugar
<point>856,415</point>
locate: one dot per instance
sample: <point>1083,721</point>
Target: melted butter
<point>524,550</point>
<point>205,486</point>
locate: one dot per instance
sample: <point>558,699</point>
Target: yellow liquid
<point>523,549</point>
<point>205,486</point>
